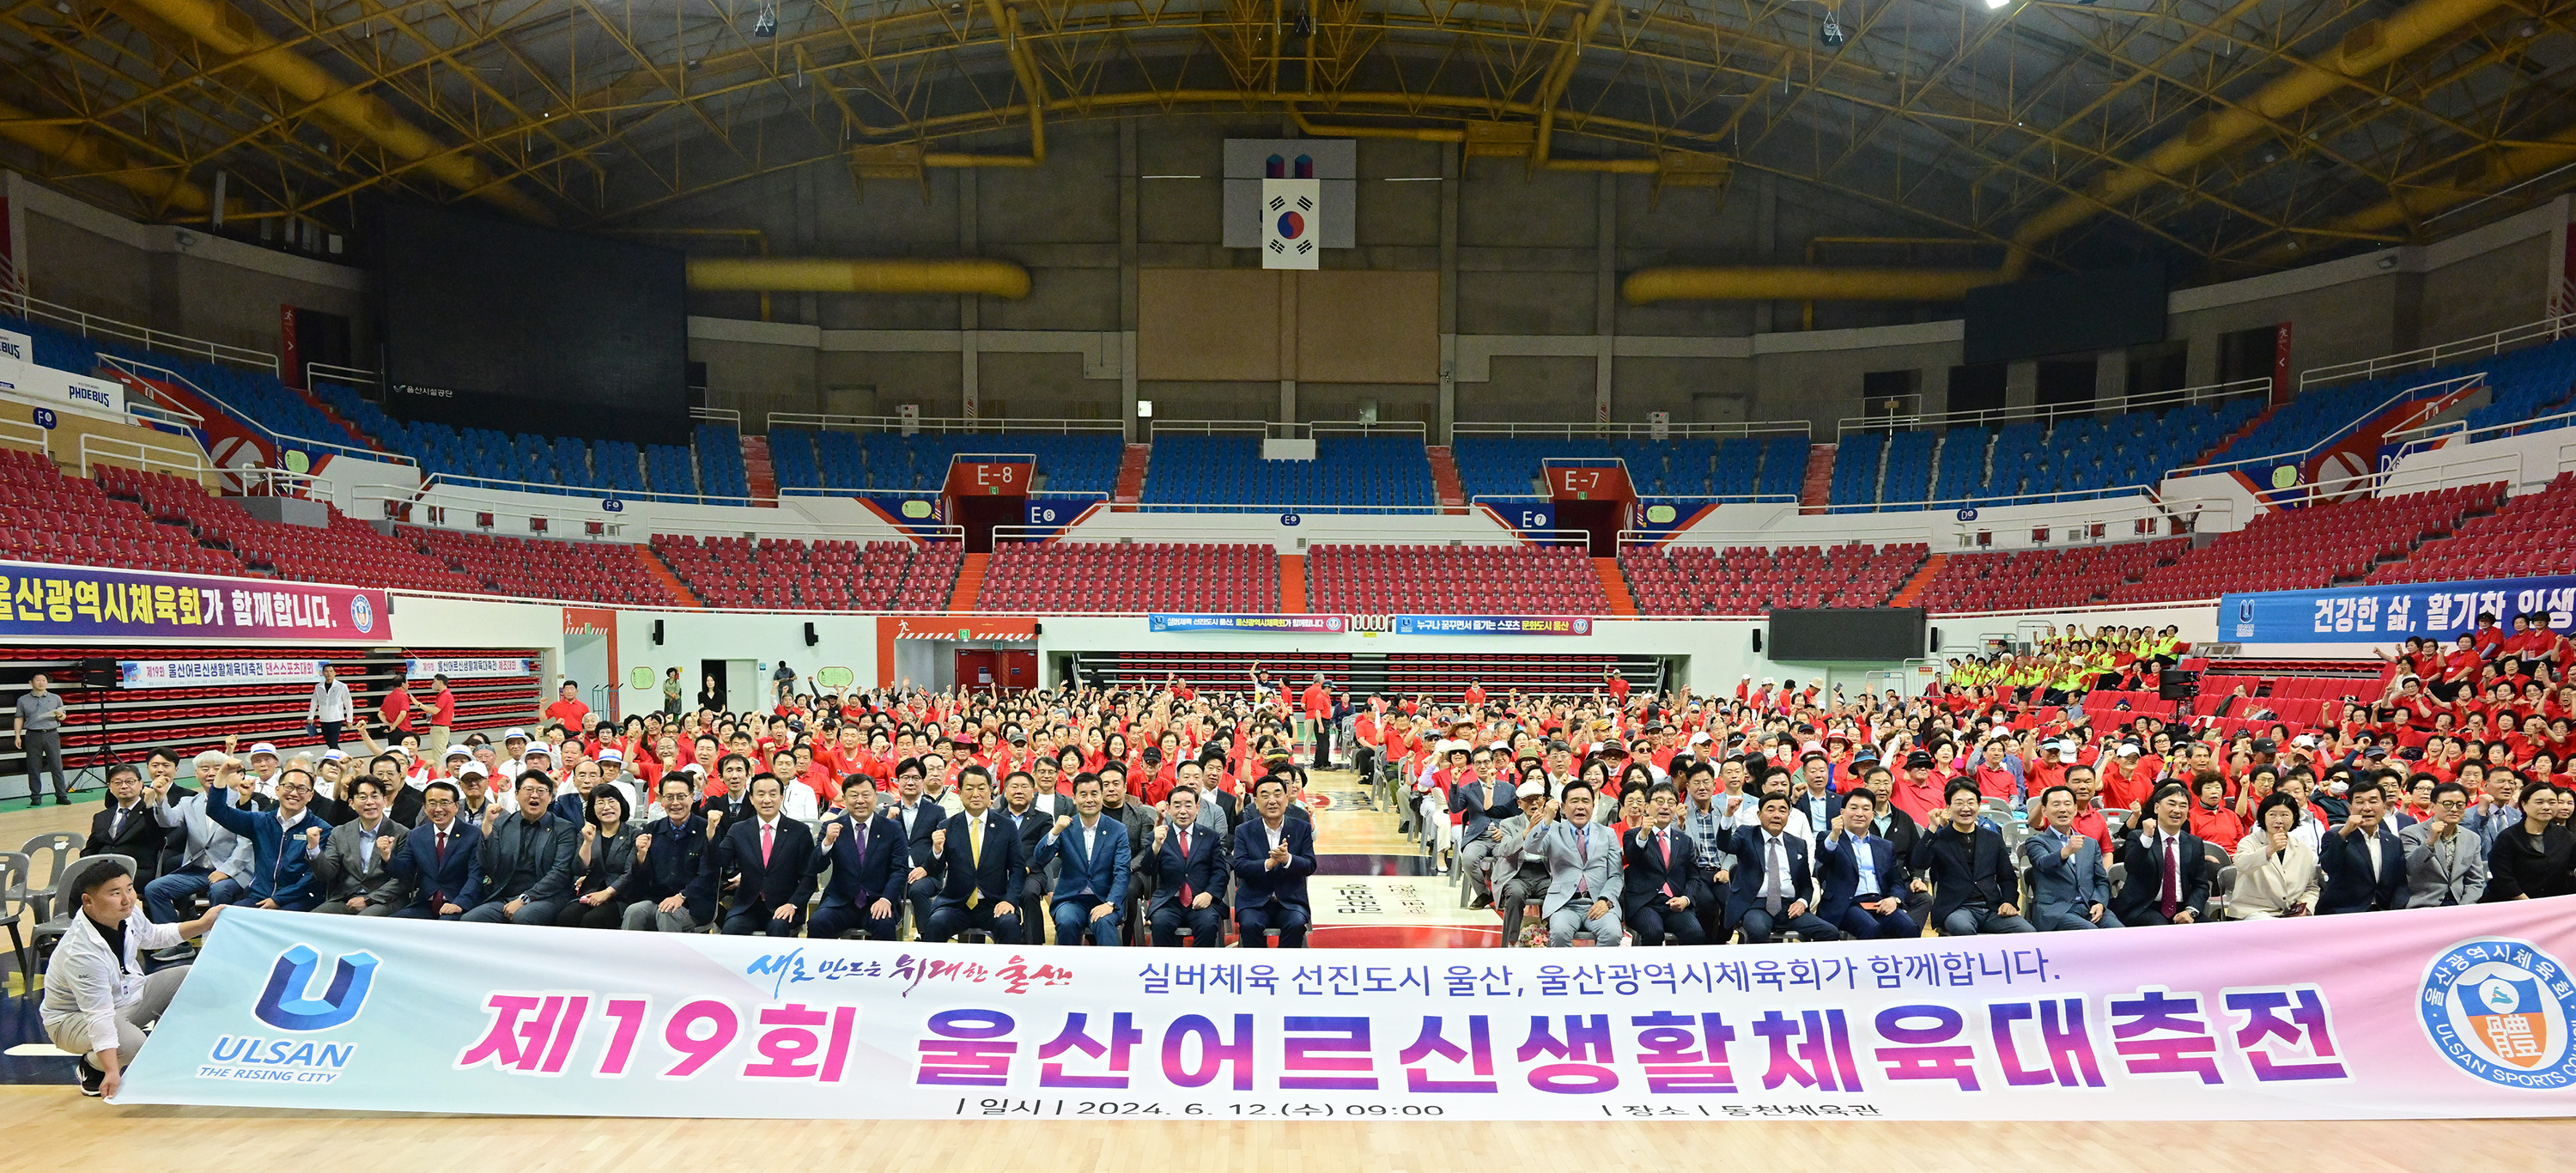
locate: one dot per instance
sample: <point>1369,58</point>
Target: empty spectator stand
<point>820,575</point>
<point>2321,544</point>
<point>1131,577</point>
<point>548,568</point>
<point>1750,580</point>
<point>348,551</point>
<point>523,462</point>
<point>1690,461</point>
<point>1453,580</point>
<point>1400,675</point>
<point>2533,534</point>
<point>2028,455</point>
<point>851,454</point>
<point>66,520</point>
<point>2530,376</point>
<point>136,721</point>
<point>2242,696</point>
<point>2014,580</point>
<point>1352,473</point>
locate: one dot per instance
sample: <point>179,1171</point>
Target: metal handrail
<point>1715,498</point>
<point>189,461</point>
<point>1206,427</point>
<point>2459,429</point>
<point>2419,480</point>
<point>717,415</point>
<point>2547,329</point>
<point>39,438</point>
<point>550,489</point>
<point>278,482</point>
<point>826,421</point>
<point>1990,416</point>
<point>89,325</point>
<point>136,369</point>
<point>2424,391</point>
<point>1590,430</point>
<point>808,531</point>
<point>1258,507</point>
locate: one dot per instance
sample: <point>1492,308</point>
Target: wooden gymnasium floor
<point>1380,897</point>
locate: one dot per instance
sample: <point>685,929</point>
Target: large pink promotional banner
<point>2457,1012</point>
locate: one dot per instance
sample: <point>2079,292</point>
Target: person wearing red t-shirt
<point>2488,637</point>
<point>567,708</point>
<point>397,712</point>
<point>1616,685</point>
<point>1475,695</point>
<point>442,714</point>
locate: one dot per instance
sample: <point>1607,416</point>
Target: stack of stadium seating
<point>1961,471</point>
<point>349,550</point>
<point>1350,474</point>
<point>1857,456</point>
<point>1453,580</point>
<point>2526,384</point>
<point>481,454</point>
<point>545,568</point>
<point>1074,462</point>
<point>2523,383</point>
<point>2303,549</point>
<point>1142,576</point>
<point>1490,466</point>
<point>1908,480</point>
<point>824,575</point>
<point>2532,534</point>
<point>720,470</point>
<point>1698,580</point>
<point>2034,459</point>
<point>2030,579</point>
<point>48,517</point>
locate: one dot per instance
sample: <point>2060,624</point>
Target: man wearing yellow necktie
<point>982,866</point>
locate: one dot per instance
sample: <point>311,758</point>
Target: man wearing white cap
<point>264,769</point>
<point>1520,875</point>
<point>514,745</point>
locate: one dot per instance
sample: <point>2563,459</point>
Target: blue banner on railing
<point>1276,624</point>
<point>2380,614</point>
<point>1492,625</point>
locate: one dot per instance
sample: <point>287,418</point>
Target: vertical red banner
<point>2281,364</point>
<point>290,356</point>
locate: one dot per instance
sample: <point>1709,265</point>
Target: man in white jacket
<point>97,997</point>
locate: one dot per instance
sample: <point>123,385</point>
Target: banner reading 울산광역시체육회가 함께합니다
<point>2460,1012</point>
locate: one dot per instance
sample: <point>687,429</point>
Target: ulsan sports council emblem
<point>2499,1009</point>
<point>362,614</point>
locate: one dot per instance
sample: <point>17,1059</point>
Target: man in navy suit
<point>981,867</point>
<point>1861,875</point>
<point>441,857</point>
<point>1771,885</point>
<point>669,853</point>
<point>771,861</point>
<point>1189,861</point>
<point>1479,835</point>
<point>867,854</point>
<point>1273,855</point>
<point>2363,860</point>
<point>2070,888</point>
<point>1091,886</point>
<point>921,819</point>
<point>1662,875</point>
<point>2168,867</point>
<point>1974,887</point>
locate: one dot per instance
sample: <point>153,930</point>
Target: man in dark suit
<point>2168,868</point>
<point>921,820</point>
<point>1771,886</point>
<point>669,853</point>
<point>442,858</point>
<point>977,856</point>
<point>1093,858</point>
<point>867,854</point>
<point>354,870</point>
<point>2363,860</point>
<point>1661,868</point>
<point>2070,887</point>
<point>770,862</point>
<point>1191,869</point>
<point>1860,874</point>
<point>1033,815</point>
<point>1273,855</point>
<point>1974,887</point>
<point>127,826</point>
<point>1479,835</point>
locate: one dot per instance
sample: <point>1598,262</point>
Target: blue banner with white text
<point>2381,614</point>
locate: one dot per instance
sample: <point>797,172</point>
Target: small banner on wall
<point>82,602</point>
<point>1279,624</point>
<point>2430,1013</point>
<point>2379,614</point>
<point>1492,625</point>
<point>468,667</point>
<point>212,673</point>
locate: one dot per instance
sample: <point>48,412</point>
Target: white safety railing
<point>353,376</point>
<point>2429,393</point>
<point>95,447</point>
<point>2210,393</point>
<point>23,434</point>
<point>453,481</point>
<point>89,325</point>
<point>1266,507</point>
<point>1590,430</point>
<point>277,482</point>
<point>825,421</point>
<point>2549,329</point>
<point>716,415</point>
<point>147,372</point>
<point>2417,439</point>
<point>2504,468</point>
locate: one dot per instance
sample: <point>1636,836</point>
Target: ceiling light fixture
<point>766,24</point>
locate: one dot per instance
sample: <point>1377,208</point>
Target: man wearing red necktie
<point>1661,869</point>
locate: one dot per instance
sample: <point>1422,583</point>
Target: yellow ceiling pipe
<point>1799,283</point>
<point>1561,74</point>
<point>2364,49</point>
<point>976,275</point>
<point>233,33</point>
<point>105,159</point>
<point>2479,177</point>
<point>1027,75</point>
<point>1412,134</point>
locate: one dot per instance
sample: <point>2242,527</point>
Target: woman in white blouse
<point>2276,872</point>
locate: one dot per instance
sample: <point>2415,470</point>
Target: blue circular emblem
<point>2499,1009</point>
<point>1290,519</point>
<point>362,614</point>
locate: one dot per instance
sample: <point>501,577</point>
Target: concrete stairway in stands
<point>1130,488</point>
<point>357,437</point>
<point>1615,584</point>
<point>1911,593</point>
<point>757,473</point>
<point>671,581</point>
<point>2220,448</point>
<point>1818,489</point>
<point>970,582</point>
<point>1292,584</point>
<point>1444,478</point>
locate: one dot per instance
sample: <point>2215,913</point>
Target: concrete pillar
<point>1766,237</point>
<point>1934,384</point>
<point>1451,177</point>
<point>807,308</point>
<point>969,397</point>
<point>2111,381</point>
<point>1127,278</point>
<point>1605,288</point>
<point>1287,346</point>
<point>2021,383</point>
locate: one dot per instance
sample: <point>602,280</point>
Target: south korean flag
<point>1292,230</point>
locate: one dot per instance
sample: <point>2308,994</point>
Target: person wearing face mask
<point>355,870</point>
